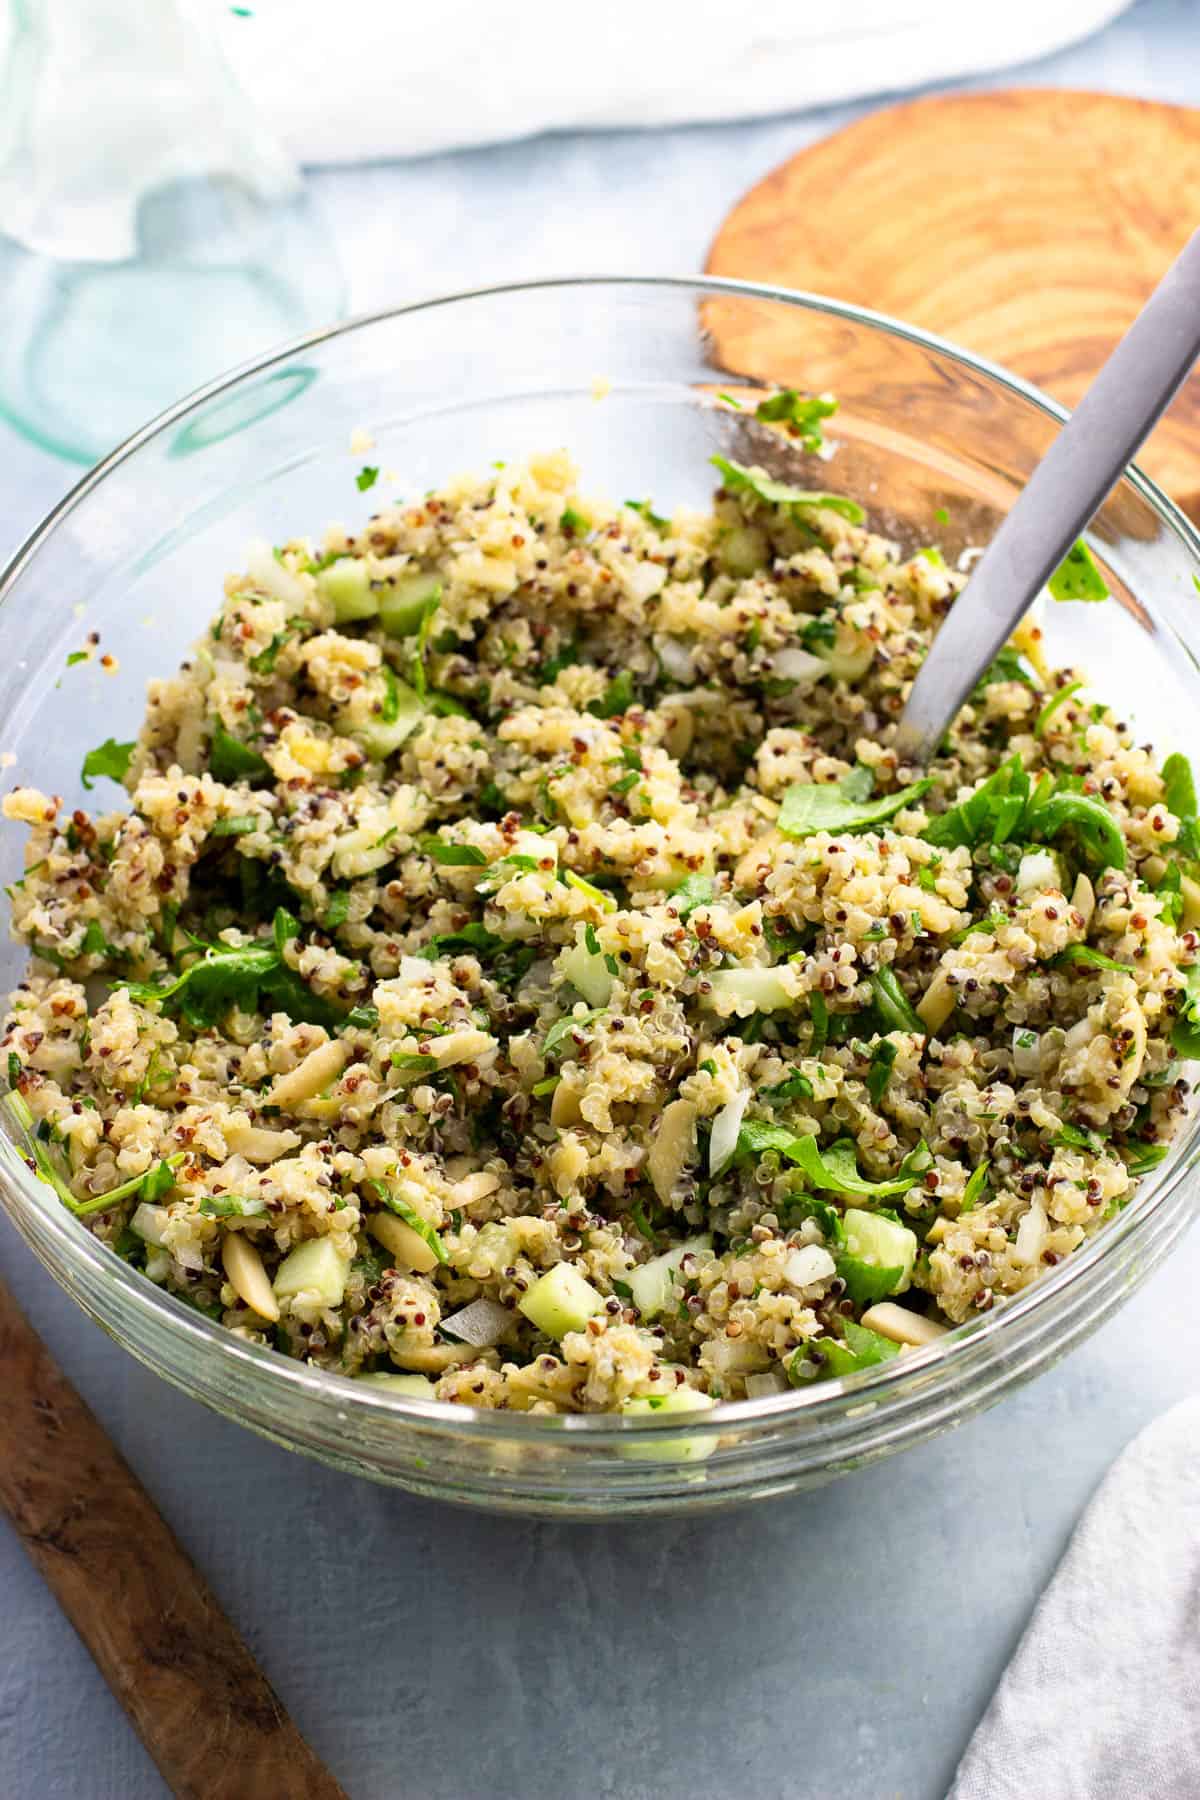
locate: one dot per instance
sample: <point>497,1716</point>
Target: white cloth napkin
<point>1102,1699</point>
<point>363,79</point>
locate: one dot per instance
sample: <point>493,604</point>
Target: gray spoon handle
<point>1128,396</point>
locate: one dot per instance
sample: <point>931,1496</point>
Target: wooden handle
<point>1028,224</point>
<point>197,1699</point>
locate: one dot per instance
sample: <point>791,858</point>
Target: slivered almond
<point>247,1276</point>
<point>474,1187</point>
<point>902,1326</point>
<point>405,1244</point>
<point>458,1046</point>
<point>257,1143</point>
<point>1083,898</point>
<point>564,1105</point>
<point>319,1068</point>
<point>936,1003</point>
<point>674,1145</point>
<point>433,1358</point>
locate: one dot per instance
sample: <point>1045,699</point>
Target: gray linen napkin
<point>1102,1699</point>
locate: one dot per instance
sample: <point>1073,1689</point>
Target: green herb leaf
<point>883,1057</point>
<point>893,1005</point>
<point>474,938</point>
<point>1093,959</point>
<point>417,675</point>
<point>759,485</point>
<point>836,1167</point>
<point>573,523</point>
<point>562,1030</point>
<point>1077,576</point>
<point>232,1206</point>
<point>1146,1157</point>
<point>252,977</point>
<point>802,414</point>
<point>795,1208</point>
<point>617,697</point>
<point>793,1087</point>
<point>366,478</point>
<point>818,1012</point>
<point>503,869</point>
<point>414,1063</point>
<point>843,805</point>
<point>1180,793</point>
<point>1006,805</point>
<point>109,758</point>
<point>1052,705</point>
<point>648,513</point>
<point>338,910</point>
<point>230,760</point>
<point>1185,1034</point>
<point>1008,666</point>
<point>455,856</point>
<point>976,1182</point>
<point>238,826</point>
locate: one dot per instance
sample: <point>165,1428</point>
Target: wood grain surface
<point>197,1699</point>
<point>1027,225</point>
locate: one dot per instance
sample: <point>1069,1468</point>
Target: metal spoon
<point>1086,459</point>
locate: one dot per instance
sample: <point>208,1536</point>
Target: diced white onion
<point>1038,871</point>
<point>676,659</point>
<point>799,666</point>
<point>734,1356</point>
<point>726,1125</point>
<point>1026,1051</point>
<point>808,1264</point>
<point>271,576</point>
<point>482,1323</point>
<point>644,580</point>
<point>150,1223</point>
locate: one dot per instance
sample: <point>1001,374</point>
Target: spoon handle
<point>1127,398</point>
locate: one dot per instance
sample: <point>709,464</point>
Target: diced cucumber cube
<point>861,1349</point>
<point>879,1256</point>
<point>657,1448</point>
<point>418,1387</point>
<point>347,587</point>
<point>651,1283</point>
<point>588,973</point>
<point>313,1268</point>
<point>753,990</point>
<point>380,738</point>
<point>561,1301</point>
<point>404,602</point>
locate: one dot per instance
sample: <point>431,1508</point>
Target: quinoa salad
<point>521,972</point>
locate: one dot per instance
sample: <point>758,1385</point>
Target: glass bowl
<point>624,371</point>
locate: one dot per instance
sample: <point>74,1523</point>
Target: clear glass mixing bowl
<point>622,371</point>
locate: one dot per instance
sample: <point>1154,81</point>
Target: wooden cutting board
<point>1027,225</point>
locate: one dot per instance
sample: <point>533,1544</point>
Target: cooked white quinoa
<point>548,1004</point>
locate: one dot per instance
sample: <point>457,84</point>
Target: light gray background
<point>836,1644</point>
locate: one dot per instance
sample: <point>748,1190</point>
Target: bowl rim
<point>823,1400</point>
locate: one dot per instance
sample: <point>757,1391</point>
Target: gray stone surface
<point>841,1643</point>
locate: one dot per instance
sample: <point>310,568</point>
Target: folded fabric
<point>362,80</point>
<point>1102,1698</point>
